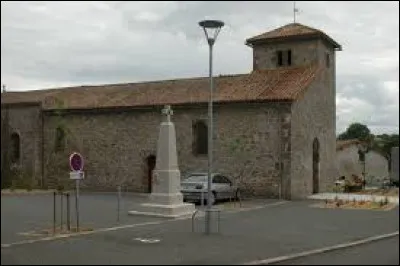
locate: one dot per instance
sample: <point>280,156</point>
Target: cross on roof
<point>167,111</point>
<point>295,10</point>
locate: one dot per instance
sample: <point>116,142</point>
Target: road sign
<point>76,161</point>
<point>77,175</point>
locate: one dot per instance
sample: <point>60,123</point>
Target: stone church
<point>274,127</point>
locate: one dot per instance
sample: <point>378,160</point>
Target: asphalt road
<point>25,213</point>
<point>383,252</point>
<point>246,236</point>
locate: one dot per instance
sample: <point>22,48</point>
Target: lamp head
<point>211,29</point>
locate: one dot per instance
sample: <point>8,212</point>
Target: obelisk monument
<point>166,200</point>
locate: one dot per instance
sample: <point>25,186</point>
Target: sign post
<point>119,200</point>
<point>76,164</point>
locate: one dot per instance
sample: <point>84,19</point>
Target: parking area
<point>259,230</point>
<point>23,214</point>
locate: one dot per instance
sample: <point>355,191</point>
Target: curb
<point>35,193</point>
<point>123,194</point>
<point>322,250</point>
<point>26,193</point>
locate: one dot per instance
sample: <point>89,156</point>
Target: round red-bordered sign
<point>76,161</point>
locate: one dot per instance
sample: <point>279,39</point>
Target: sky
<point>56,44</point>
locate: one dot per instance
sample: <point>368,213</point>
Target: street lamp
<point>211,29</point>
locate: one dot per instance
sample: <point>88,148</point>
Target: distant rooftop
<point>294,31</point>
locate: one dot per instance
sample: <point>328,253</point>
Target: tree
<point>384,144</point>
<point>356,131</point>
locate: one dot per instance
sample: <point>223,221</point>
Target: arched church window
<point>200,138</point>
<point>15,147</point>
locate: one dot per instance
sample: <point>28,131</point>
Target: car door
<point>228,187</point>
<point>218,186</point>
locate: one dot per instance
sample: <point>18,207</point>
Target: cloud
<point>54,44</point>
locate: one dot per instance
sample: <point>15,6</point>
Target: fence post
<point>68,213</point>
<point>118,205</point>
<point>62,210</point>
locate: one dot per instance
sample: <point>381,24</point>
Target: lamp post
<point>211,30</point>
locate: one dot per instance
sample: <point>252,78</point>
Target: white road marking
<point>322,250</point>
<point>147,240</point>
<point>109,229</point>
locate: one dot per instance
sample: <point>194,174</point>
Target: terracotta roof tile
<point>283,84</point>
<point>290,30</point>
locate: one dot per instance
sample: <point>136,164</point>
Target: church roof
<point>292,30</point>
<point>282,84</point>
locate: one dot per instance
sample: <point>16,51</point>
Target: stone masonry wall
<point>303,53</point>
<point>348,164</point>
<point>314,116</point>
<point>394,169</point>
<point>26,121</point>
<point>115,145</point>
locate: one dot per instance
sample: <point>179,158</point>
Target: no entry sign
<point>76,162</point>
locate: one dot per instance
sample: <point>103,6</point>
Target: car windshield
<point>196,178</point>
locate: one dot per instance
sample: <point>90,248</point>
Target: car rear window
<point>196,178</point>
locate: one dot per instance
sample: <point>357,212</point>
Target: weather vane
<point>295,10</point>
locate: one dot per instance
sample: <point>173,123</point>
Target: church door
<point>151,164</point>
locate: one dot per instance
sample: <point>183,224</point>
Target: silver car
<point>195,184</point>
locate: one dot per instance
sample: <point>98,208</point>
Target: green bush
<point>353,188</point>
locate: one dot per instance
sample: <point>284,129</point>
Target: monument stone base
<point>164,205</point>
<point>162,210</point>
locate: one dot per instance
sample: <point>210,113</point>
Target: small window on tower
<point>327,60</point>
<point>289,57</point>
<point>280,58</point>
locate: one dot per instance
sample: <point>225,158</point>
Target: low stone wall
<point>352,197</point>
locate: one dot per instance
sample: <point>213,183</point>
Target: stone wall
<point>314,116</point>
<point>303,53</point>
<point>376,168</point>
<point>394,171</point>
<point>25,120</point>
<point>116,144</point>
<point>348,164</point>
